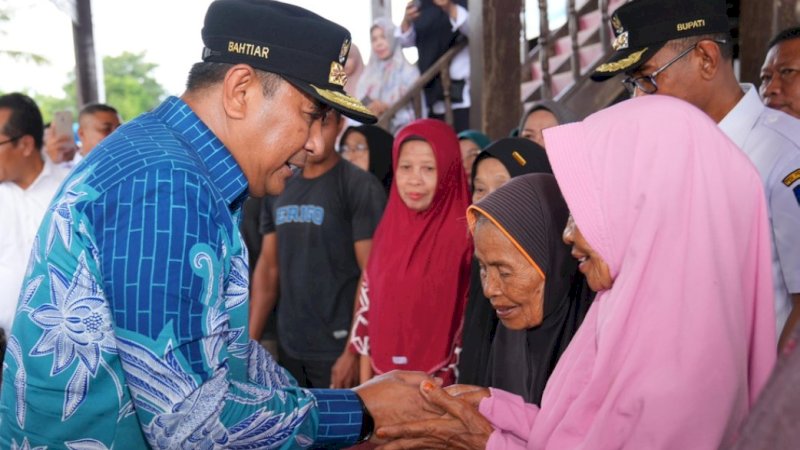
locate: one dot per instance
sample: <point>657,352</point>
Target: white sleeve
<point>784,203</point>
<point>407,39</point>
<point>461,22</point>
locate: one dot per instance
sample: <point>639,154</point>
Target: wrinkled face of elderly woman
<point>513,286</point>
<point>590,263</point>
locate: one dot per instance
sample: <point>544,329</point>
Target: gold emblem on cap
<point>617,24</point>
<point>623,63</point>
<point>337,75</point>
<point>621,42</point>
<point>343,100</point>
<point>344,51</point>
<point>519,158</point>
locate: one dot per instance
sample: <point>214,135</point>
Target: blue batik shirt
<point>131,328</point>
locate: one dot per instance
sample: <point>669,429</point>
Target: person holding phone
<point>59,140</point>
<point>433,26</point>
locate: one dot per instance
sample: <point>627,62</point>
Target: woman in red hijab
<point>412,297</point>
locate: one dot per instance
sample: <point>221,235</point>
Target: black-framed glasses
<point>647,83</point>
<point>10,140</point>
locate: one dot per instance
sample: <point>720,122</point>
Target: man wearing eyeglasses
<point>683,48</point>
<point>780,74</point>
<point>27,184</point>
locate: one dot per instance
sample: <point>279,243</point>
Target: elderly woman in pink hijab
<point>670,229</point>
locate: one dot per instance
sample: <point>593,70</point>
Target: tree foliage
<point>130,88</point>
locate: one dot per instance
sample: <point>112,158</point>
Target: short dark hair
<point>25,119</point>
<point>785,35</point>
<point>205,74</point>
<point>723,40</point>
<point>93,108</point>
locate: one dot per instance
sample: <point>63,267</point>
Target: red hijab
<point>419,266</point>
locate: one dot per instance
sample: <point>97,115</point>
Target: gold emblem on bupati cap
<point>343,100</point>
<point>344,51</point>
<point>623,63</point>
<point>621,42</point>
<point>616,24</point>
<point>337,75</point>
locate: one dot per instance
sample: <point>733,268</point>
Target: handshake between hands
<point>412,410</point>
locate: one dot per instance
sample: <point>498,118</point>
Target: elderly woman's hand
<point>461,427</point>
<point>469,393</point>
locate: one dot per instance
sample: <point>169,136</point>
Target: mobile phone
<point>62,123</point>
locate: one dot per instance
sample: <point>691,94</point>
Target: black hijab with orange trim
<point>531,211</point>
<point>519,156</point>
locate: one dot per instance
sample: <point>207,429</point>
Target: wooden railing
<point>414,94</point>
<point>545,50</point>
<point>541,52</point>
<point>548,38</point>
<point>604,36</point>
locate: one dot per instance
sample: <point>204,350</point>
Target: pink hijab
<point>674,355</point>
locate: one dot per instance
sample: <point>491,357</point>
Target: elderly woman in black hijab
<point>530,279</point>
<point>370,148</point>
<point>496,165</point>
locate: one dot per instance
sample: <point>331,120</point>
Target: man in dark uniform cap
<point>683,48</point>
<point>131,331</point>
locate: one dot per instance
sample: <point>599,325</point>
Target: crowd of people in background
<point>624,280</point>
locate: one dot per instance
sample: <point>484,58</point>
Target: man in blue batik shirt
<point>131,329</point>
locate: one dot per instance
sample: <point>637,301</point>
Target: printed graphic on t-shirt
<point>299,214</point>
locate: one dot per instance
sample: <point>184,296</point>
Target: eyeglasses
<point>356,148</point>
<point>647,83</point>
<point>10,140</point>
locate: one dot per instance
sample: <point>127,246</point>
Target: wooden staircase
<point>559,65</point>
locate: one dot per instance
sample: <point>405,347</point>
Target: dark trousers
<point>308,373</point>
<point>460,119</point>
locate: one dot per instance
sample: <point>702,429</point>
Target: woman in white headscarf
<point>387,76</point>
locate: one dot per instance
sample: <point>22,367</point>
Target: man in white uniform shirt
<point>27,184</point>
<point>683,48</point>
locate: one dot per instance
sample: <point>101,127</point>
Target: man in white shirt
<point>683,48</point>
<point>27,184</point>
<point>780,73</point>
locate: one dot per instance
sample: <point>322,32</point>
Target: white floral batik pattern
<point>76,327</point>
<point>63,212</point>
<point>187,415</point>
<point>86,444</point>
<point>25,445</point>
<point>14,351</point>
